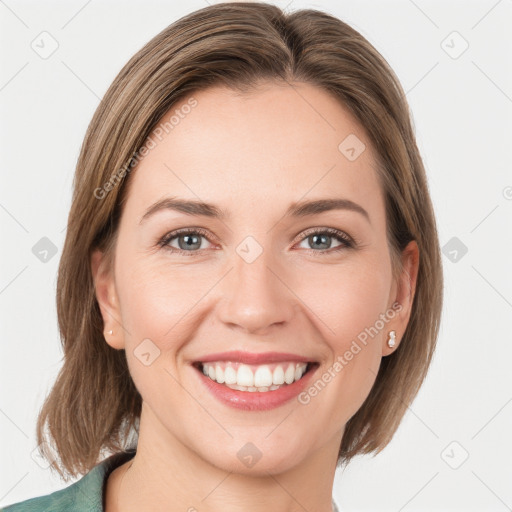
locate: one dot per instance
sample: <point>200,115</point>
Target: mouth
<point>254,381</point>
<point>255,378</point>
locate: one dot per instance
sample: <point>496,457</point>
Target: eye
<point>321,239</point>
<point>188,240</point>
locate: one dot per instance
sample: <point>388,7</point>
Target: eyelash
<point>346,241</point>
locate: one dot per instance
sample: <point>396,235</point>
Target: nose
<point>255,296</point>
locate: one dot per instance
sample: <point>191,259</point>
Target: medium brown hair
<point>94,405</point>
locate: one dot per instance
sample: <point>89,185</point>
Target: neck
<point>167,475</point>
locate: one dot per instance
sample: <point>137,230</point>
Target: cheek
<point>154,305</point>
<point>157,295</point>
<point>347,299</point>
<point>350,302</point>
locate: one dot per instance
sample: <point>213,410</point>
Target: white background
<point>462,109</point>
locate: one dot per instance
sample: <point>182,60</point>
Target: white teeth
<point>244,376</point>
<point>252,388</point>
<point>289,375</point>
<point>254,378</point>
<point>278,375</point>
<point>219,374</point>
<point>229,375</point>
<point>262,377</point>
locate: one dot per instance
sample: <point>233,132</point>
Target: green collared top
<point>85,495</point>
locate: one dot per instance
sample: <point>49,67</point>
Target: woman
<point>251,280</point>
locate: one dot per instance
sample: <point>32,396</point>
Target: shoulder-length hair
<point>94,405</point>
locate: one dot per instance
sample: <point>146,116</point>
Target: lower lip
<point>256,400</point>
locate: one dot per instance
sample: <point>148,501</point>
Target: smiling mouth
<point>255,377</point>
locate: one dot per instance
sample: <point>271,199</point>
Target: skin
<point>251,153</point>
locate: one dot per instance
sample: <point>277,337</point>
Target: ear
<point>108,302</point>
<point>403,296</point>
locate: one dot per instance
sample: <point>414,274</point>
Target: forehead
<point>272,146</point>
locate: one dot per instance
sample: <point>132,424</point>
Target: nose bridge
<point>255,296</point>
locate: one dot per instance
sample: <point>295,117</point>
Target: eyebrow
<point>297,209</point>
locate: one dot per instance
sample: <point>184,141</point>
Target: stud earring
<point>391,340</point>
<point>111,331</point>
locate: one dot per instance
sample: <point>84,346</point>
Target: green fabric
<point>84,495</point>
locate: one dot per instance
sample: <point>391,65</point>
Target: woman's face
<point>262,276</point>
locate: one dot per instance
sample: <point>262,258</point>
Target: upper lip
<point>239,356</point>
